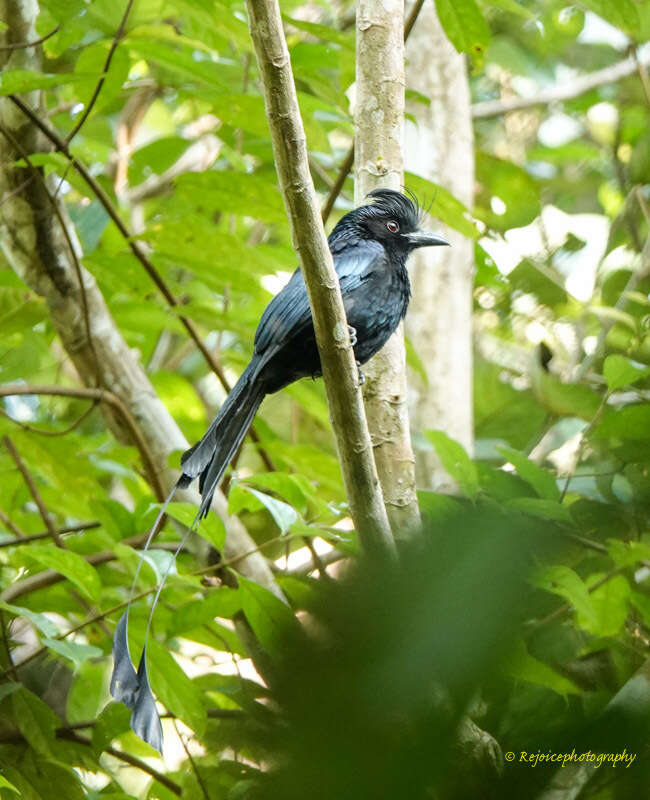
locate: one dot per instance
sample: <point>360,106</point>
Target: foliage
<point>562,415</point>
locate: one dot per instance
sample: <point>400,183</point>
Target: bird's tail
<point>210,457</point>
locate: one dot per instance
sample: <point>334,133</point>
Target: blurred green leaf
<point>456,462</point>
<point>272,620</point>
<point>174,689</point>
<point>543,482</point>
<point>620,372</point>
<point>35,720</point>
<point>69,564</point>
<point>464,25</point>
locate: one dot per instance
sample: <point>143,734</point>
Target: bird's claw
<point>353,335</point>
<point>362,377</point>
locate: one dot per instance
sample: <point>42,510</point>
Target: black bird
<point>370,246</point>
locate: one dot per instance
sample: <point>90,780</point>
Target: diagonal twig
<point>119,34</point>
<point>33,490</point>
<point>24,45</point>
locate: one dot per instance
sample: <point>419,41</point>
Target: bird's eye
<point>392,226</point>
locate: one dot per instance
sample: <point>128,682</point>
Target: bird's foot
<point>362,377</point>
<point>353,335</point>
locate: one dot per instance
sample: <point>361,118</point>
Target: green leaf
<point>521,666</point>
<point>620,13</point>
<point>111,723</point>
<point>539,507</point>
<point>211,528</point>
<point>464,25</point>
<point>88,692</point>
<point>456,462</point>
<point>224,602</point>
<point>174,689</point>
<point>610,604</point>
<point>75,651</point>
<point>620,372</point>
<point>283,514</point>
<point>75,568</point>
<point>566,583</point>
<point>20,81</point>
<point>445,206</point>
<point>35,720</point>
<point>543,482</point>
<point>40,621</point>
<point>4,783</point>
<point>272,621</point>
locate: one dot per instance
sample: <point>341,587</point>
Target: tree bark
<point>45,254</point>
<point>379,119</point>
<point>440,147</point>
<point>336,355</point>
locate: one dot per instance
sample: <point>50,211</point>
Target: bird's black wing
<point>288,314</point>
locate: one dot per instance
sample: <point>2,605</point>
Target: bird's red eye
<point>392,226</point>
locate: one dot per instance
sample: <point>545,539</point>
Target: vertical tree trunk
<point>379,119</point>
<point>440,147</point>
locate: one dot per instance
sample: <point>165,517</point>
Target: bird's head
<point>393,219</point>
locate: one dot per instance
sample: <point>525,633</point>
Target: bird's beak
<point>424,239</point>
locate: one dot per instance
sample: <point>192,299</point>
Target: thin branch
<point>62,147</point>
<point>25,45</point>
<point>4,519</point>
<point>22,538</point>
<point>568,90</point>
<point>33,490</point>
<point>195,769</point>
<point>102,395</point>
<point>41,432</point>
<point>348,161</point>
<point>330,324</point>
<point>127,758</point>
<point>107,64</point>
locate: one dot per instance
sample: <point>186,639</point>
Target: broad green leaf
<point>464,25</point>
<point>88,692</point>
<point>21,81</point>
<point>73,566</point>
<point>272,620</point>
<point>444,206</point>
<point>631,422</point>
<point>224,602</point>
<point>620,372</point>
<point>35,720</point>
<point>540,507</point>
<point>521,666</point>
<point>210,528</point>
<point>174,689</point>
<point>543,482</point>
<point>456,462</point>
<point>4,783</point>
<point>44,625</point>
<point>620,13</point>
<point>566,583</point>
<point>610,604</point>
<point>283,514</point>
<point>111,723</point>
<point>75,651</point>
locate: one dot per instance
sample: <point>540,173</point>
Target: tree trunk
<point>440,147</point>
<point>379,119</point>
